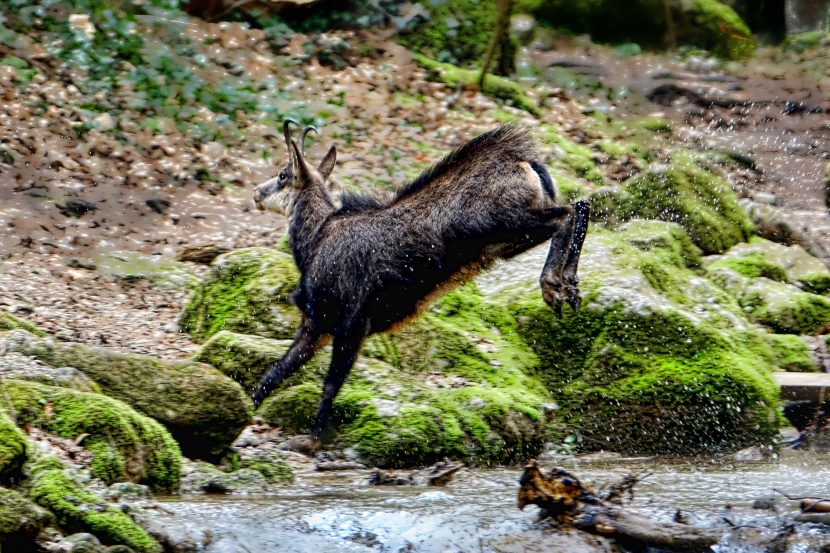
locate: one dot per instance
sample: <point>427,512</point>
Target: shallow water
<point>477,512</point>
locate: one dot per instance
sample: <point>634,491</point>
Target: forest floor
<point>66,200</point>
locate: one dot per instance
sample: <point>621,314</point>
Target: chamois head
<point>280,194</point>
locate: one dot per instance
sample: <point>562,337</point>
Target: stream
<point>477,512</point>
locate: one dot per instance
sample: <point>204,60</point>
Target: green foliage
<point>78,510</point>
<point>453,31</point>
<point>127,446</point>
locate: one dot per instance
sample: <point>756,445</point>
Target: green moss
<point>132,266</point>
<point>789,353</point>
<point>10,322</point>
<point>805,41</point>
<point>203,409</point>
<point>684,192</point>
<point>754,265</point>
<point>247,291</point>
<point>817,282</point>
<point>78,510</point>
<point>455,31</point>
<point>657,124</point>
<point>20,518</point>
<point>126,445</point>
<point>13,448</point>
<point>571,157</point>
<point>276,472</point>
<point>498,87</point>
<point>784,308</point>
<point>732,38</point>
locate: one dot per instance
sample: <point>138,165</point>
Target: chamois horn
<point>286,131</point>
<point>302,138</point>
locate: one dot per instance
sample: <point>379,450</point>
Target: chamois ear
<point>327,165</point>
<point>303,177</point>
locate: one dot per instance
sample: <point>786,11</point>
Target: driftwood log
<point>560,495</point>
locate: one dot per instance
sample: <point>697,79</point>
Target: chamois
<point>368,265</point>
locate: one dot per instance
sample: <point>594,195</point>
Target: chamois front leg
<point>582,208</point>
<point>304,347</point>
<point>343,355</point>
<point>552,280</point>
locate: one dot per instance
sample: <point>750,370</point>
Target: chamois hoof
<point>554,295</point>
<point>575,300</point>
<point>306,445</point>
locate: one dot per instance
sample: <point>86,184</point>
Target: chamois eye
<point>282,175</point>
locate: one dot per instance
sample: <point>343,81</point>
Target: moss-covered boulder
<point>773,284</point>
<point>686,193</point>
<point>659,360</point>
<point>13,447</point>
<point>126,445</point>
<point>203,409</point>
<point>245,358</point>
<point>247,291</point>
<point>707,24</point>
<point>78,510</point>
<point>20,521</point>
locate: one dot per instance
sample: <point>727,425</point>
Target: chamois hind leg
<point>343,355</point>
<point>305,345</point>
<point>552,280</point>
<point>582,208</point>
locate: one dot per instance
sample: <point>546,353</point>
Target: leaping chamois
<point>367,265</point>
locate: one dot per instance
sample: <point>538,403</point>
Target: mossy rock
<point>275,471</point>
<point>246,358</point>
<point>20,521</point>
<point>686,193</point>
<point>659,360</point>
<point>789,353</point>
<point>78,510</point>
<point>202,408</point>
<point>10,322</point>
<point>247,291</point>
<point>704,23</point>
<point>13,448</point>
<point>453,383</point>
<point>126,445</point>
<point>453,31</point>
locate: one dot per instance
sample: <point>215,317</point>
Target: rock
<point>13,449</point>
<point>339,465</point>
<point>176,534</point>
<point>76,207</point>
<point>205,478</point>
<point>685,193</point>
<point>126,490</point>
<point>247,291</point>
<point>765,504</point>
<point>203,409</point>
<point>79,510</point>
<point>132,266</point>
<point>21,521</point>
<point>84,543</point>
<point>773,224</point>
<point>126,445</point>
<point>523,27</point>
<point>753,454</point>
<point>659,360</point>
<point>201,254</point>
<point>21,367</point>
